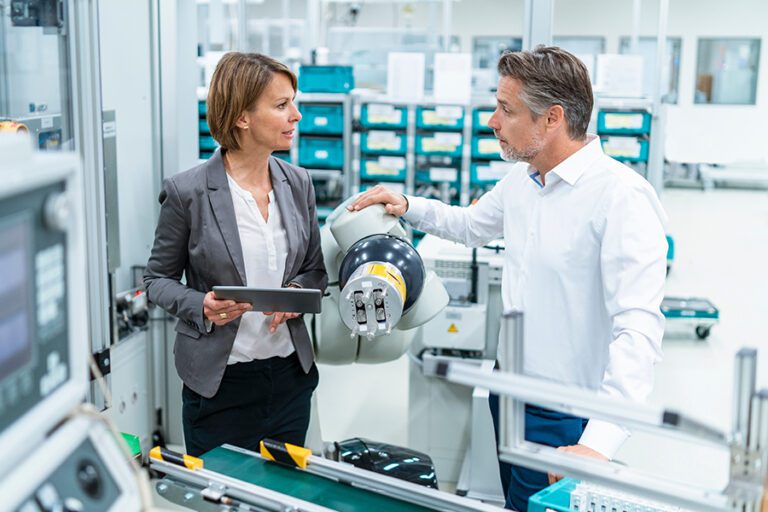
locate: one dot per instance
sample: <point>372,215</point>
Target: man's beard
<point>527,154</point>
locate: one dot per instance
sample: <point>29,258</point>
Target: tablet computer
<point>287,300</point>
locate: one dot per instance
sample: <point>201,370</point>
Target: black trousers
<point>267,398</point>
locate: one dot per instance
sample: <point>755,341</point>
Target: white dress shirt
<point>585,261</point>
<point>265,249</point>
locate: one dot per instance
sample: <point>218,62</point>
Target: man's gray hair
<point>551,76</point>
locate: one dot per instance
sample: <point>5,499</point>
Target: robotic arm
<point>378,289</point>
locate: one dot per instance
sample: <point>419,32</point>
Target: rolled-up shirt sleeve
<point>633,268</point>
<point>473,225</point>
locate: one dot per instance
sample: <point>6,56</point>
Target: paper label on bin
<point>443,174</point>
<point>448,138</point>
<point>488,146</point>
<point>321,121</point>
<point>447,112</point>
<point>494,171</point>
<point>378,113</point>
<point>321,154</point>
<point>483,117</point>
<point>628,147</point>
<point>383,140</point>
<point>623,120</point>
<point>46,122</point>
<point>392,162</point>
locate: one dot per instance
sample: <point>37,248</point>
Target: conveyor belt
<point>300,484</point>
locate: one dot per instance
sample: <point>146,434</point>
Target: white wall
<point>715,133</point>
<point>126,89</point>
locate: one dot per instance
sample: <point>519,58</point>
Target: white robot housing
<point>378,289</point>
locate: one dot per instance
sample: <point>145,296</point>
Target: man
<point>585,256</point>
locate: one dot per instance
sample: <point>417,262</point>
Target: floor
<point>721,240</point>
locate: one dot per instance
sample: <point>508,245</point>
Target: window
<point>586,48</point>
<point>486,51</point>
<point>726,71</point>
<point>670,72</point>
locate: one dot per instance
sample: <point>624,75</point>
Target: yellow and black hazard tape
<point>284,453</point>
<point>180,459</point>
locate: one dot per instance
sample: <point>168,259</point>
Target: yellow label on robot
<point>390,273</point>
<point>453,328</point>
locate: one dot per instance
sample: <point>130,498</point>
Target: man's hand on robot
<point>394,203</point>
<point>280,318</point>
<point>576,449</point>
<point>221,312</point>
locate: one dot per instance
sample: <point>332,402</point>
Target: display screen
<point>15,290</point>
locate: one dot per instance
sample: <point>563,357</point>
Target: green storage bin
<point>282,155</point>
<point>205,155</point>
<point>208,143</point>
<point>383,115</point>
<point>202,126</point>
<point>442,117</point>
<point>486,147</point>
<point>202,108</point>
<point>627,122</point>
<point>555,498</point>
<point>321,153</point>
<point>480,117</point>
<point>321,118</point>
<point>625,149</point>
<point>439,143</point>
<point>334,79</point>
<point>383,168</point>
<point>383,142</point>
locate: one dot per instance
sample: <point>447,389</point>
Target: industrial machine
<point>378,289</point>
<point>57,455</point>
<point>467,330</point>
<point>747,441</point>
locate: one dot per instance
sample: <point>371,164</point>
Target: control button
<point>48,497</point>
<point>89,479</point>
<point>73,505</point>
<point>57,211</point>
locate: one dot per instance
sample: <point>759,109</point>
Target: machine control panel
<point>33,306</point>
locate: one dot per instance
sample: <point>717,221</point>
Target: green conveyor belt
<point>300,484</point>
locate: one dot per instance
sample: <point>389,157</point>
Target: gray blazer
<point>197,236</point>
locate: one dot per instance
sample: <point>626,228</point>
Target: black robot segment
<point>387,249</point>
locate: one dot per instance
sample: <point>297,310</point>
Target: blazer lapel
<point>224,211</point>
<point>285,203</point>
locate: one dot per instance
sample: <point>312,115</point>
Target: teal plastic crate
<point>383,115</point>
<point>335,79</point>
<point>202,108</point>
<point>385,168</point>
<point>205,155</point>
<point>625,149</point>
<point>487,173</point>
<point>282,155</point>
<point>689,307</point>
<point>480,117</point>
<point>208,144</point>
<point>321,118</point>
<point>321,153</point>
<point>202,126</point>
<point>670,250</point>
<point>555,498</point>
<point>614,122</point>
<point>446,117</point>
<point>383,142</point>
<point>486,147</point>
<point>440,143</point>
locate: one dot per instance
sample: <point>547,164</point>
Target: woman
<point>241,218</point>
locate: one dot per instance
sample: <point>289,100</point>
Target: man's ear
<point>555,116</point>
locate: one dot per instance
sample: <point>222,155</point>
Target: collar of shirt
<point>573,167</point>
<point>244,193</point>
